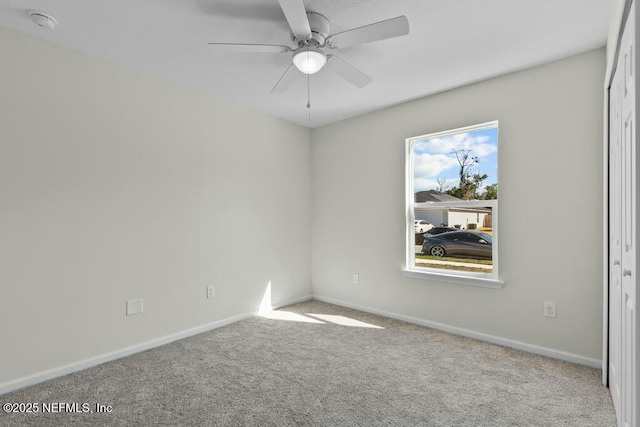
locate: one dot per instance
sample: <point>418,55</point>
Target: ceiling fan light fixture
<point>309,60</point>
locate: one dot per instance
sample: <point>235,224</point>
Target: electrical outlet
<point>211,291</point>
<point>549,309</point>
<point>356,278</point>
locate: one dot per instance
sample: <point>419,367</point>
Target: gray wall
<point>115,185</point>
<point>550,166</point>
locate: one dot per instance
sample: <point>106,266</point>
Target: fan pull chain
<point>309,95</point>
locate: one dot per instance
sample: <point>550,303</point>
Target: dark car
<point>439,230</point>
<point>469,244</point>
<point>434,230</point>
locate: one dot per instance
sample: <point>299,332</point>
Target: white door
<point>615,241</point>
<point>624,363</point>
<point>628,348</point>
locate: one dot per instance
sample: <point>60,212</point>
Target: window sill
<point>453,278</point>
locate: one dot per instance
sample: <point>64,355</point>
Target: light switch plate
<point>134,306</point>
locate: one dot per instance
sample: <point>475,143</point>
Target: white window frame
<point>487,280</point>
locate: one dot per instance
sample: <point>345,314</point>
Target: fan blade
<point>250,48</point>
<point>286,80</point>
<point>296,16</point>
<point>394,27</point>
<point>347,71</point>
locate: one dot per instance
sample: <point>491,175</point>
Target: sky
<point>433,158</point>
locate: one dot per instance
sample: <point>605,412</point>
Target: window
<point>452,205</point>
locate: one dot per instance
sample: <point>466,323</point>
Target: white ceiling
<point>451,43</point>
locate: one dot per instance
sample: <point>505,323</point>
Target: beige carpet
<point>315,364</point>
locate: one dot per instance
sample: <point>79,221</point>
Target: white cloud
<point>462,141</point>
<point>427,165</point>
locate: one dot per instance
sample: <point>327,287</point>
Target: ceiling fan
<point>312,41</point>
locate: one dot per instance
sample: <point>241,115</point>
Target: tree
<point>442,184</point>
<point>470,184</point>
<point>466,163</point>
<point>490,192</point>
<point>469,189</point>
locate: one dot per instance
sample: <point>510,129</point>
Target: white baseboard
<point>39,377</point>
<point>544,351</point>
<point>308,297</point>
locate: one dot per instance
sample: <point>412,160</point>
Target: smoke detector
<point>43,19</point>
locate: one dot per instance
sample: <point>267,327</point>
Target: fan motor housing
<point>320,28</point>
